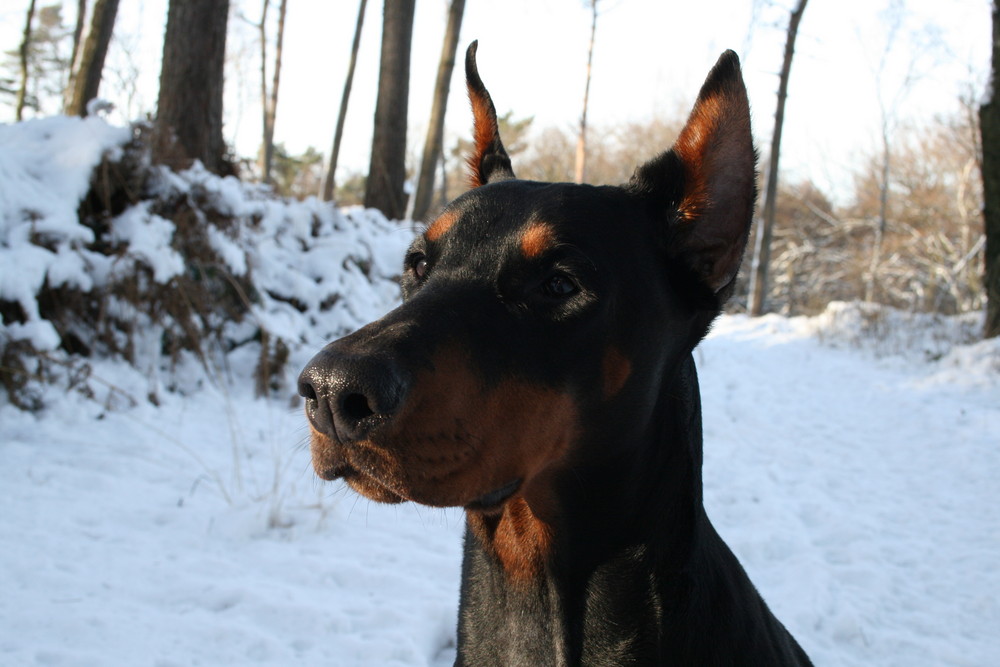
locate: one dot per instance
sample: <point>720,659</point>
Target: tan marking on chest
<point>518,539</point>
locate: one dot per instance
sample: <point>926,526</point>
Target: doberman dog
<point>539,374</point>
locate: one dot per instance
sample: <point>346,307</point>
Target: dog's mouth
<point>331,463</point>
<point>330,473</point>
<point>380,475</point>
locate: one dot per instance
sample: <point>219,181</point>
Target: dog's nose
<point>347,395</point>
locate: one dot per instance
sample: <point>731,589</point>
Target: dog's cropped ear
<point>489,161</point>
<point>707,180</point>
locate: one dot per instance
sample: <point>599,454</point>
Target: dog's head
<point>538,319</point>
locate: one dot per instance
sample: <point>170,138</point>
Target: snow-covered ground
<point>860,493</point>
<point>851,462</point>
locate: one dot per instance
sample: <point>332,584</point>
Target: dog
<point>539,374</point>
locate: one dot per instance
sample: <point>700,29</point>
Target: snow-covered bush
<point>105,255</point>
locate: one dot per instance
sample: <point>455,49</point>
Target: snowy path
<point>861,495</point>
<point>873,493</point>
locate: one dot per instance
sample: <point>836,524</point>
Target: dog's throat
<point>493,500</point>
<point>515,538</point>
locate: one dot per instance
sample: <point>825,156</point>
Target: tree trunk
<point>270,102</point>
<point>263,161</point>
<point>434,143</point>
<point>871,280</point>
<point>329,179</point>
<point>762,251</point>
<point>580,171</point>
<point>85,79</point>
<point>887,114</point>
<point>81,19</point>
<point>189,109</point>
<point>22,91</point>
<point>278,50</point>
<point>989,123</point>
<point>387,173</point>
<point>443,191</point>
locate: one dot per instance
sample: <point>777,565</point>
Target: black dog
<point>539,374</point>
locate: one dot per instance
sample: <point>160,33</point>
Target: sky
<point>650,58</point>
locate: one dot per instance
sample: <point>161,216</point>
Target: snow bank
<point>886,331</point>
<point>45,168</point>
<point>168,264</point>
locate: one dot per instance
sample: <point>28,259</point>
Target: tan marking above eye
<point>537,238</point>
<point>441,226</point>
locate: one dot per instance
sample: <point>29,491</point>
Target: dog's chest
<point>611,617</point>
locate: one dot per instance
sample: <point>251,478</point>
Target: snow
<point>45,168</point>
<point>851,461</point>
<point>148,237</point>
<point>871,487</point>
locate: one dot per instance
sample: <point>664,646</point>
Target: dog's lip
<point>339,471</point>
<point>494,499</point>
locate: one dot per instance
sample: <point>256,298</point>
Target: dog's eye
<point>560,286</point>
<point>418,264</point>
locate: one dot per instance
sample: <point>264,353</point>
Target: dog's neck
<point>549,578</point>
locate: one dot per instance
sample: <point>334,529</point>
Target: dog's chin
<point>362,484</point>
<point>373,490</point>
